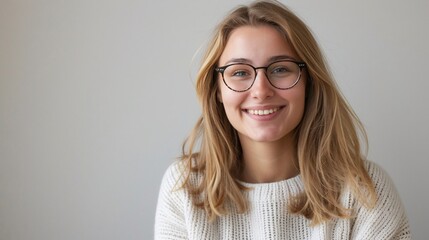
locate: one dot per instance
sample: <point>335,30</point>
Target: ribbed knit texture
<point>268,216</point>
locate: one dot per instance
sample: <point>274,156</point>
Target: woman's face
<point>262,113</point>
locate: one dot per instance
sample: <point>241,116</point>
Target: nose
<point>262,88</point>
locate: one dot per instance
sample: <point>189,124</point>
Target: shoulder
<point>375,170</point>
<point>172,198</point>
<point>384,186</point>
<point>383,183</point>
<point>173,177</point>
<point>170,212</point>
<point>377,173</point>
<point>387,219</point>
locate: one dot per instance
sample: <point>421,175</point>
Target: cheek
<point>231,101</point>
<point>301,106</point>
<point>225,95</point>
<point>296,100</point>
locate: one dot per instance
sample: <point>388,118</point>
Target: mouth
<point>262,112</point>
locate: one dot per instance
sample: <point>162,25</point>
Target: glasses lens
<point>239,77</point>
<point>283,74</point>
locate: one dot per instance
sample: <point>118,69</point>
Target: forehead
<point>256,45</point>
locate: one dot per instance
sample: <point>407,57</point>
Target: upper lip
<point>267,107</point>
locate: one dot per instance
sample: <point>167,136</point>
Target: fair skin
<point>269,151</point>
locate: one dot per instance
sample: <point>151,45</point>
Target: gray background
<point>96,98</point>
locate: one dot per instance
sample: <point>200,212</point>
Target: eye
<point>280,70</point>
<point>240,73</point>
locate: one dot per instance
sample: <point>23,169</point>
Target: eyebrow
<point>271,59</point>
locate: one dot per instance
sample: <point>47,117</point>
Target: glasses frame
<point>301,65</point>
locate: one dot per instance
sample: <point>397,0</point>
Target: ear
<point>218,89</point>
<point>219,96</point>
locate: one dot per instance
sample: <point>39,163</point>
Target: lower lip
<point>267,117</point>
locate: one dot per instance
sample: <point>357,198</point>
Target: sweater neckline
<point>273,191</point>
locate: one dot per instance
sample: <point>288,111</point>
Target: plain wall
<point>96,98</point>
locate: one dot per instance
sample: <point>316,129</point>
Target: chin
<point>265,137</point>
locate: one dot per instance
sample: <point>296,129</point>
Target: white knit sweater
<point>268,216</point>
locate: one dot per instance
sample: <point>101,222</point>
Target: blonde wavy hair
<point>328,139</point>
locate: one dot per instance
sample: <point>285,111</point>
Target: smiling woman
<point>264,113</point>
<point>276,152</point>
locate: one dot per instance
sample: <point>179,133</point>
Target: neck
<point>268,161</point>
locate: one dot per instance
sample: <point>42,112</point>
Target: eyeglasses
<point>284,74</point>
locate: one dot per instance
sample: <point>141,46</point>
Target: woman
<point>276,152</point>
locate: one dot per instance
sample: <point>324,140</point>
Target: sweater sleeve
<point>169,218</point>
<point>387,220</point>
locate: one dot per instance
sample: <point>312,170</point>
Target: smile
<point>262,112</point>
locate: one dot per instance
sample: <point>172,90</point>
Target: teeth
<point>262,112</point>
